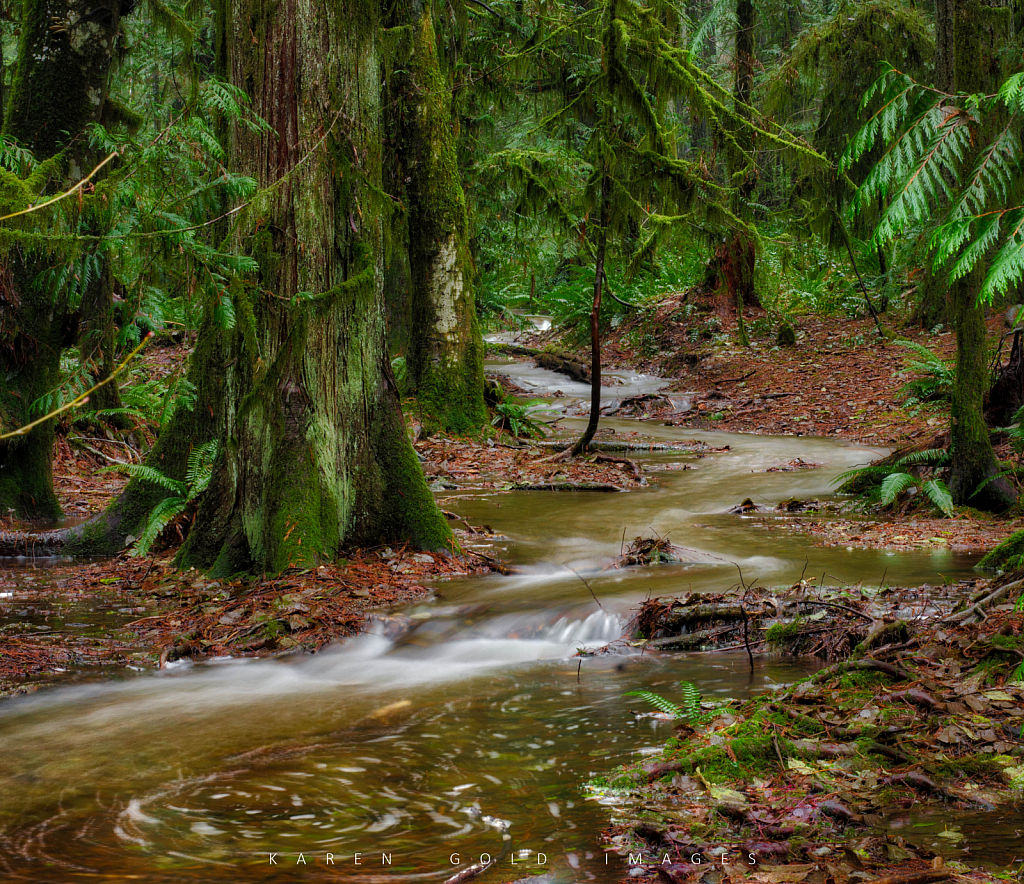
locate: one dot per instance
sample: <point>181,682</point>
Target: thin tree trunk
<point>973,461</point>
<point>595,323</point>
<point>737,258</point>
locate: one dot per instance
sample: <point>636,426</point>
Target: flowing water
<point>414,750</point>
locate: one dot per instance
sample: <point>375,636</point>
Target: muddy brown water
<point>402,758</point>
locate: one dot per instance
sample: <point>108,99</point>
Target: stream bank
<point>915,725</point>
<point>466,708</point>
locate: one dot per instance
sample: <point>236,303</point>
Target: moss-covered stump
<point>808,777</point>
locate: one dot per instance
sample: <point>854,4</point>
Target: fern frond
<point>1008,265</point>
<point>868,472</point>
<point>939,494</point>
<point>894,485</point>
<point>200,468</point>
<point>930,456</point>
<point>666,706</point>
<point>691,701</point>
<point>162,515</point>
<point>146,473</point>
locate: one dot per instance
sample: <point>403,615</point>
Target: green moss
<point>751,743</point>
<point>1007,642</point>
<point>1007,556</point>
<point>970,767</point>
<point>853,683</point>
<point>781,633</point>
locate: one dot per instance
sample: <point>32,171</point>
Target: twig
<point>587,585</point>
<point>853,611</point>
<point>746,636</point>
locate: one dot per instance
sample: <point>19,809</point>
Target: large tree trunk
<point>975,68</point>
<point>314,452</point>
<point>59,87</point>
<point>445,355</point>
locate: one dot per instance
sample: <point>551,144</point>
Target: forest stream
<point>412,746</point>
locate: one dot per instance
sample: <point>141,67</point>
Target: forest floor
<point>804,778</point>
<point>899,762</point>
<point>839,379</point>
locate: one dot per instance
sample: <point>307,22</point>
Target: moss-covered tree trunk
<point>314,451</point>
<point>59,87</point>
<point>595,319</point>
<point>445,349</point>
<point>975,69</point>
<point>123,521</point>
<point>735,260</point>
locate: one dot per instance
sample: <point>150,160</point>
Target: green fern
<point>162,515</point>
<point>148,474</point>
<point>941,163</point>
<point>938,376</point>
<point>934,457</point>
<point>658,701</point>
<point>937,492</point>
<point>691,701</point>
<point>894,485</point>
<point>690,708</point>
<point>198,472</point>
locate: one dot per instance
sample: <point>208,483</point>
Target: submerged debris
<point>650,551</point>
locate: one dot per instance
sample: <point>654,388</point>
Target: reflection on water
<point>413,743</point>
<point>994,840</point>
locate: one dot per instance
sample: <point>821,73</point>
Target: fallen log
<point>563,365</point>
<point>32,544</point>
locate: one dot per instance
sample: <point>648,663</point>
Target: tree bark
<point>595,322</point>
<point>59,87</point>
<point>313,451</point>
<point>735,260</point>
<point>975,68</point>
<point>445,355</point>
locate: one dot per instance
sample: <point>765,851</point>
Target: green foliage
<point>937,375</point>
<point>198,472</point>
<point>515,418</point>
<point>1006,556</point>
<point>659,702</point>
<point>888,482</point>
<point>689,708</point>
<point>1016,433</point>
<point>954,158</point>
